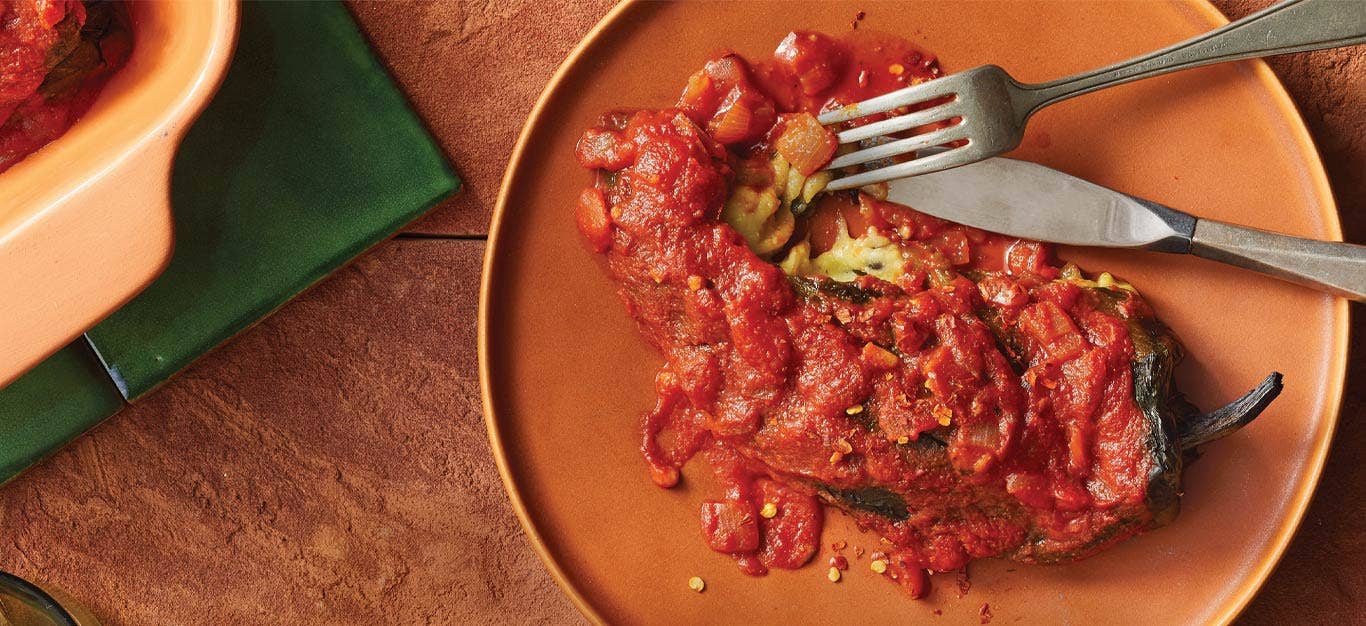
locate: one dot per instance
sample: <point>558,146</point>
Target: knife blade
<point>1028,200</point>
<point>1031,201</point>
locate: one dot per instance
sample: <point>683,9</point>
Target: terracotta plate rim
<point>1337,369</point>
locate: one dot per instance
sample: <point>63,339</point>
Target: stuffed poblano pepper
<point>960,393</point>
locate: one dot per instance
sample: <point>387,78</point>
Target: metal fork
<point>992,108</point>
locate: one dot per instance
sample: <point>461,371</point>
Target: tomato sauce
<point>55,56</point>
<point>979,405</point>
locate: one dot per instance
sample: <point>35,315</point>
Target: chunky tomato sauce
<point>55,56</point>
<point>980,403</point>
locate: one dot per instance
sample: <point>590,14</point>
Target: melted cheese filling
<point>850,257</point>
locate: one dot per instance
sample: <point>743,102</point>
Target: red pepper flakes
<point>938,612</point>
<point>858,552</point>
<point>838,562</point>
<point>769,510</point>
<point>858,17</point>
<point>963,583</point>
<point>839,545</point>
<point>879,357</point>
<point>985,613</point>
<point>842,448</point>
<point>942,414</point>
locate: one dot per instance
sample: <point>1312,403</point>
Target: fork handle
<point>1338,268</point>
<point>1290,26</point>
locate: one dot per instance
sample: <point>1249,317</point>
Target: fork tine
<point>952,157</point>
<point>901,146</point>
<point>927,90</point>
<point>900,122</point>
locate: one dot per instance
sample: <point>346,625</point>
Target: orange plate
<point>565,376</point>
<point>85,223</point>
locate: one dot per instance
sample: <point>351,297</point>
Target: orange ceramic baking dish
<point>85,223</point>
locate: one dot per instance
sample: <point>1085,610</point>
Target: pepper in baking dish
<point>958,392</point>
<point>55,57</point>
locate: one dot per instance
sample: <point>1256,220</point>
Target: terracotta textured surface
<point>330,465</point>
<point>473,69</point>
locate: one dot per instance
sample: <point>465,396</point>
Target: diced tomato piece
<point>1066,347</point>
<point>793,535</point>
<point>730,526</point>
<point>594,221</point>
<point>1001,291</point>
<point>1052,330</point>
<point>732,121</point>
<point>813,59</point>
<point>729,70</point>
<point>1062,293</point>
<point>805,143</point>
<point>700,98</point>
<point>744,116</point>
<point>953,244</point>
<point>601,148</point>
<point>659,162</point>
<point>1042,322</point>
<point>724,99</point>
<point>1028,257</point>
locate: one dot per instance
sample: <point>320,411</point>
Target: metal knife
<point>1028,200</point>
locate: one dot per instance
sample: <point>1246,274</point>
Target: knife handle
<point>1337,268</point>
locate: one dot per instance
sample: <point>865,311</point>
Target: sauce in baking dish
<point>55,56</point>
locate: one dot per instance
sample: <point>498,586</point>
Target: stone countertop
<point>331,466</point>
